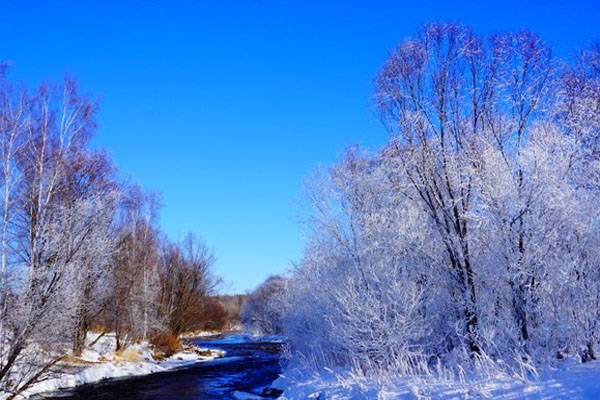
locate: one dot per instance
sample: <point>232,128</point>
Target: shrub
<point>165,343</point>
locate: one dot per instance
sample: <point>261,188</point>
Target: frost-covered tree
<point>14,116</point>
<point>58,207</point>
<point>262,310</point>
<point>444,96</point>
<point>359,293</point>
<point>132,312</point>
<point>471,237</point>
<point>78,248</point>
<point>95,195</point>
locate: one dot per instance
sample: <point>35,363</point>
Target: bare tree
<point>186,285</point>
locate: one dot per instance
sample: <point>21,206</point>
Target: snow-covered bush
<point>358,295</point>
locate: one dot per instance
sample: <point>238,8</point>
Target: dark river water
<point>247,368</point>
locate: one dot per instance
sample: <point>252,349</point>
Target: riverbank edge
<point>90,373</point>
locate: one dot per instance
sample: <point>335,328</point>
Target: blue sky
<point>226,106</point>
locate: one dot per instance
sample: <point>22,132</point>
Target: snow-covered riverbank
<point>569,380</point>
<point>99,362</point>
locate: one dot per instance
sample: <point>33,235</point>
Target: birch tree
<point>13,122</point>
<point>56,219</point>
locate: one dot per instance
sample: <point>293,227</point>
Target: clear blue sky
<point>226,106</point>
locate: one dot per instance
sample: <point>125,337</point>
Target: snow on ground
<point>199,334</point>
<point>99,362</point>
<point>569,381</point>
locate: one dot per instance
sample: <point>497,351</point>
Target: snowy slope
<point>570,381</point>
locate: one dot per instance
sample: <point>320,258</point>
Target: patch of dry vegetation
<point>165,344</point>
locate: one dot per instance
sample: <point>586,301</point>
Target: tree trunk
<point>80,335</point>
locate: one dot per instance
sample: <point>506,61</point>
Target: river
<point>245,372</point>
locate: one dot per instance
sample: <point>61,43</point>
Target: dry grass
<point>165,344</point>
<point>129,354</point>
